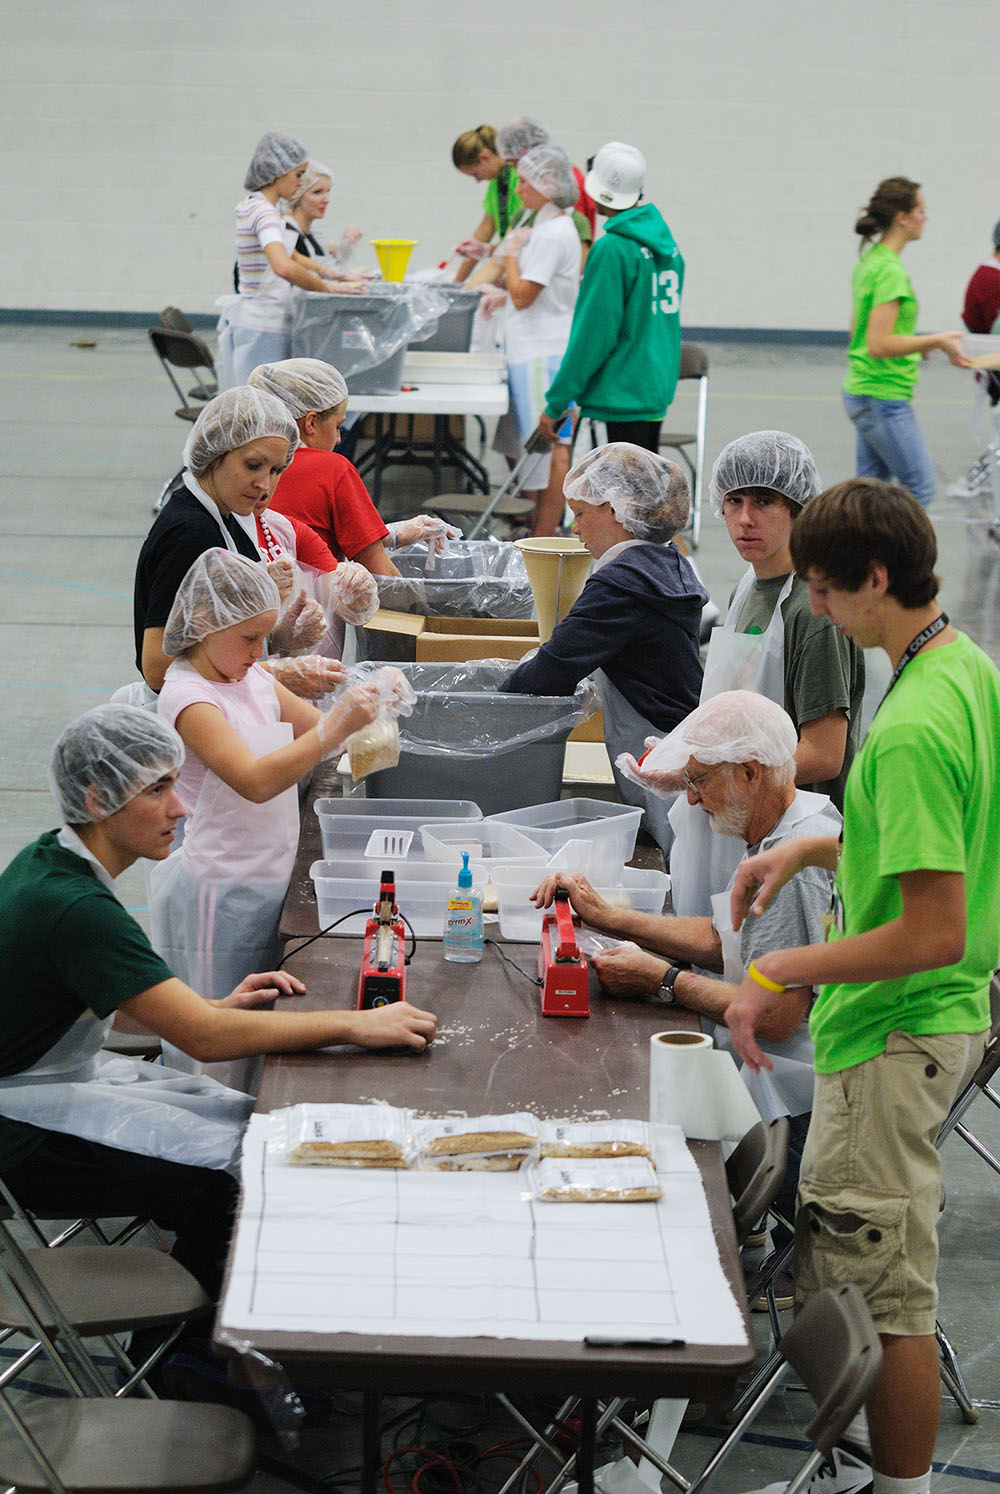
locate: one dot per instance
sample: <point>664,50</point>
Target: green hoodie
<point>625,343</point>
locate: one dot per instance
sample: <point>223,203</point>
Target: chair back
<point>182,349</point>
<point>694,361</point>
<point>755,1171</point>
<point>834,1348</point>
<point>174,318</point>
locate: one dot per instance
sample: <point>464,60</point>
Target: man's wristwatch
<point>666,995</point>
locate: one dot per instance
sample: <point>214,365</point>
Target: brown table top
<point>496,1052</point>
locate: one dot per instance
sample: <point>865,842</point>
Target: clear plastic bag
<point>355,333</point>
<point>377,745</point>
<point>472,578</point>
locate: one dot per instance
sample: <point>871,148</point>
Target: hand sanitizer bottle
<point>463,920</point>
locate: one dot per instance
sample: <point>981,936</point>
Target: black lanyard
<point>912,649</point>
<point>503,198</point>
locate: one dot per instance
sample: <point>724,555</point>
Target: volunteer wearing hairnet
<point>322,489</point>
<point>636,623</point>
<point>736,756</point>
<point>624,352</point>
<point>522,134</point>
<point>84,1132</point>
<point>543,276</point>
<point>476,154</point>
<point>770,642</point>
<point>303,210</point>
<point>256,322</point>
<point>214,904</point>
<point>236,450</point>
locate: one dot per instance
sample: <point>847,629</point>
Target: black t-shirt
<point>182,531</point>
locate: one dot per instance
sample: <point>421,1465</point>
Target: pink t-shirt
<point>252,700</point>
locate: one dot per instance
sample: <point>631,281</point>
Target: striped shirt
<point>265,294</point>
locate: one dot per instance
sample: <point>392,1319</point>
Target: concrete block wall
<point>766,123</point>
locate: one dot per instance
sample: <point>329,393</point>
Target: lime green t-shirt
<point>923,794</point>
<point>491,201</point>
<point>879,277</point>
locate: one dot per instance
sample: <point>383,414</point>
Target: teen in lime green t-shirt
<point>885,348</point>
<point>475,154</point>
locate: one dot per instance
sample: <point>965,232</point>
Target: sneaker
<point>840,1473</point>
<point>757,1240</point>
<point>784,1289</point>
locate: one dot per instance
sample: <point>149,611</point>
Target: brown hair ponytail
<point>467,148</point>
<point>897,194</point>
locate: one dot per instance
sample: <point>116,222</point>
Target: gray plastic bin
<point>454,330</point>
<point>365,337</point>
<point>468,740</point>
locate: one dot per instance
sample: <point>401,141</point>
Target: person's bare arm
<point>693,940</point>
<point>374,558</point>
<point>484,232</point>
<point>820,753</point>
<point>155,662</point>
<point>283,264</point>
<point>211,1031</point>
<point>522,292</point>
<point>883,342</point>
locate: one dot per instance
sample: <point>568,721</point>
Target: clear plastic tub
<point>347,824</point>
<point>642,890</point>
<point>422,891</point>
<point>488,842</point>
<point>553,824</point>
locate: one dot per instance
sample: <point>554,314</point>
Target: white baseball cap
<point>616,176</point>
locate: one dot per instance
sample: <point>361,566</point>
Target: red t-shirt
<point>309,548</point>
<point>585,204</point>
<point>982,298</point>
<point>324,491</point>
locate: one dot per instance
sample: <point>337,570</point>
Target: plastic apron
<point>214,904</point>
<point>625,730</point>
<point>79,1090</point>
<point>703,860</point>
<point>788,1088</point>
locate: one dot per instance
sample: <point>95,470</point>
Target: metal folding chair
<point>177,349</point>
<point>174,320</point>
<point>694,365</point>
<point>505,502</point>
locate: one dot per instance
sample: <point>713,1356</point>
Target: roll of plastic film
<point>696,1087</point>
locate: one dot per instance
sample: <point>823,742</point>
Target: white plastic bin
<point>488,842</point>
<point>346,824</point>
<point>520,919</point>
<point>553,824</point>
<point>422,891</point>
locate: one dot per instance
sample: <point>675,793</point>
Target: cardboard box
<point>411,636</point>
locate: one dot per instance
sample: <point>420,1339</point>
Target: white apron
<point>703,860</point>
<point>625,730</point>
<point>78,1090</point>
<point>214,904</point>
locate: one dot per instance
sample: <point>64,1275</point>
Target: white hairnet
<point>765,459</point>
<point>234,419</point>
<point>520,135</point>
<point>738,726</point>
<point>549,170</point>
<point>275,154</point>
<point>220,589</point>
<point>314,171</point>
<point>648,494</point>
<point>114,750</point>
<point>302,384</point>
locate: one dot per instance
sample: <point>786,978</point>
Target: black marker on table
<point>598,1341</point>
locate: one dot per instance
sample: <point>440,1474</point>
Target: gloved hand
<point>282,573</point>
<point>665,784</point>
<point>473,249</point>
<point>424,527</point>
<point>353,593</point>
<point>300,626</point>
<point>356,707</point>
<point>348,239</point>
<point>491,300</point>
<point>511,242</point>
<point>310,677</point>
<point>397,695</point>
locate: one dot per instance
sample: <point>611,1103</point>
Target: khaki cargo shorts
<point>870,1184</point>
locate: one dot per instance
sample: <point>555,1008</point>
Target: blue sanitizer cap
<point>465,875</point>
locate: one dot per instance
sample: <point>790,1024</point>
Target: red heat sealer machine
<point>383,963</point>
<point>562,968</point>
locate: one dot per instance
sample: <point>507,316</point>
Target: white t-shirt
<point>264,296</point>
<point>550,258</point>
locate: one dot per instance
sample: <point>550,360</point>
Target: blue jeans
<point>890,444</point>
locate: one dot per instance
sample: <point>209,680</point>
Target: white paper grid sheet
<point>455,1255</point>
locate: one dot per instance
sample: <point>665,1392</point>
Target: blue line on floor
<point>69,585</point>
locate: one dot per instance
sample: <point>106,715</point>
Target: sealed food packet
<point>600,1138</point>
<point>478,1143</point>
<point>594,1180</point>
<point>376,746</point>
<point>347,1136</point>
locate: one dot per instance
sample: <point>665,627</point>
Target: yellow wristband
<point>762,980</point>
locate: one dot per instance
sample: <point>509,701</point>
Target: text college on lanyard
<point>912,649</point>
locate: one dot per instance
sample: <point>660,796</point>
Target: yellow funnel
<point>394,256</point>
<point>557,570</point>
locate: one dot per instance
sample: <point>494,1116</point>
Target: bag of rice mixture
<point>376,746</point>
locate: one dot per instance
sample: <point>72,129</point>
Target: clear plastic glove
<point>300,626</point>
<point>348,239</point>
<point>353,593</point>
<point>425,527</point>
<point>473,249</point>
<point>282,573</point>
<point>356,707</point>
<point>397,695</point>
<point>491,300</point>
<point>511,243</point>
<point>310,677</point>
<point>656,780</point>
